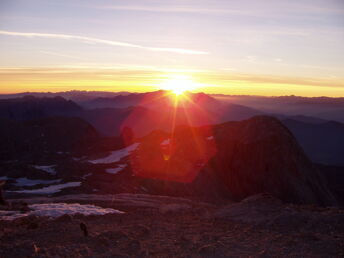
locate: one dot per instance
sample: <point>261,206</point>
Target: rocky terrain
<point>233,189</point>
<point>228,161</point>
<point>157,226</point>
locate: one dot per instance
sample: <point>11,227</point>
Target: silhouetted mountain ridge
<point>46,135</point>
<point>157,111</point>
<point>258,155</point>
<point>30,107</point>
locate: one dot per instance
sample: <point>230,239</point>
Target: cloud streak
<point>101,41</point>
<point>162,9</point>
<point>274,80</point>
<point>153,73</point>
<point>263,9</point>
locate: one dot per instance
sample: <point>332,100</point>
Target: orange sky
<point>15,80</point>
<point>270,47</point>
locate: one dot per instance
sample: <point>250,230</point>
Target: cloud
<point>224,77</point>
<point>174,9</point>
<point>101,41</point>
<point>276,9</point>
<point>274,79</point>
<point>89,77</point>
<point>60,55</point>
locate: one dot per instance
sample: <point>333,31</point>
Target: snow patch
<point>86,176</point>
<point>49,169</point>
<point>11,215</point>
<point>115,170</point>
<point>80,158</point>
<point>30,182</point>
<point>49,189</point>
<point>54,210</point>
<point>59,209</point>
<point>116,156</point>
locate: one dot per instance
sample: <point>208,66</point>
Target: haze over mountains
<point>319,107</point>
<point>67,134</point>
<point>144,112</point>
<point>145,165</point>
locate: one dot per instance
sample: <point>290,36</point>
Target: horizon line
<point>142,92</point>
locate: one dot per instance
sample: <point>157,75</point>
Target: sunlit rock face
<point>260,155</point>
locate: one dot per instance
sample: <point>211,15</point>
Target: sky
<point>261,47</point>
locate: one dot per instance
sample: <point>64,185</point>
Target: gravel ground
<point>194,232</point>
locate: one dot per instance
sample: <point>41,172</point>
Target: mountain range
<point>216,149</point>
<point>145,112</point>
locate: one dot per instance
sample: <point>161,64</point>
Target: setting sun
<point>178,84</point>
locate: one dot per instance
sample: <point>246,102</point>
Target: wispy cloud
<point>274,80</point>
<point>101,41</point>
<point>173,9</point>
<point>61,55</point>
<point>123,72</point>
<point>265,9</point>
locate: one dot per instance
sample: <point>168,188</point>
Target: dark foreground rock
<point>157,226</point>
<point>233,161</point>
<point>260,155</point>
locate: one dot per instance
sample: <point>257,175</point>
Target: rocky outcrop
<point>233,160</point>
<point>260,155</point>
<point>44,135</point>
<point>2,199</point>
<point>266,211</point>
<point>160,226</point>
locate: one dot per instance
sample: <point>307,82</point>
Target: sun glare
<point>178,84</point>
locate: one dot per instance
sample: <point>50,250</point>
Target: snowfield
<point>11,215</point>
<point>115,170</point>
<point>55,210</point>
<point>30,182</point>
<point>86,176</point>
<point>117,155</point>
<point>23,181</point>
<point>48,169</point>
<point>49,189</point>
<point>59,209</point>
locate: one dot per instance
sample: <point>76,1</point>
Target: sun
<point>178,84</point>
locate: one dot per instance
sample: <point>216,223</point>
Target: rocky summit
<point>233,160</point>
<point>260,155</point>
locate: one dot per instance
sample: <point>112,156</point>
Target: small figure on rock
<point>83,228</point>
<point>2,200</point>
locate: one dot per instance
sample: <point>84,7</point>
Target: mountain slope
<point>30,107</point>
<point>53,134</point>
<point>142,112</point>
<point>261,155</point>
<point>258,155</point>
